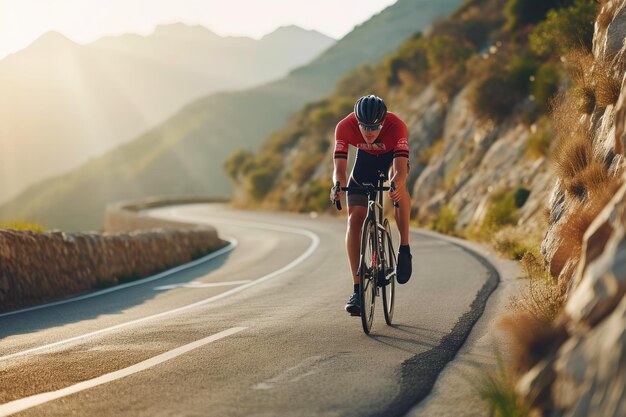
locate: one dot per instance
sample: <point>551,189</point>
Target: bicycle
<point>377,266</point>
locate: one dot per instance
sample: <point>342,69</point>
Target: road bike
<point>377,266</point>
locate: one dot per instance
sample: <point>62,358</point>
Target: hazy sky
<point>23,21</point>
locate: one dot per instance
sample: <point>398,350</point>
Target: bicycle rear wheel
<point>389,290</point>
<point>367,274</point>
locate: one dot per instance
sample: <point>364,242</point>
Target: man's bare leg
<point>356,216</point>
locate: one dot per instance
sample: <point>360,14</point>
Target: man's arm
<point>340,158</point>
<point>340,174</point>
<point>399,175</point>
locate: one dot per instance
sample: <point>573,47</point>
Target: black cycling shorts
<point>365,170</point>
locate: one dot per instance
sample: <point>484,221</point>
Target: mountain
<point>186,153</point>
<point>64,103</point>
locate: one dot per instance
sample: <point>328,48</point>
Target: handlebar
<point>366,189</point>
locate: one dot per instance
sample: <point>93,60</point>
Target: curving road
<point>257,330</point>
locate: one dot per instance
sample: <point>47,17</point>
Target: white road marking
<point>315,241</point>
<point>198,284</point>
<point>232,244</point>
<point>294,374</point>
<point>35,400</point>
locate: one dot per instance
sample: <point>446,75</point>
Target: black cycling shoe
<point>354,305</point>
<point>405,267</point>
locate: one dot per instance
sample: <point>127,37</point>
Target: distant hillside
<point>63,103</point>
<point>186,154</point>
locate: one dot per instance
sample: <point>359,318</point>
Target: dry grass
<point>607,86</point>
<point>572,229</point>
<point>532,323</point>
<point>513,242</point>
<point>531,339</point>
<point>586,98</point>
<point>572,153</point>
<point>543,299</point>
<point>497,389</point>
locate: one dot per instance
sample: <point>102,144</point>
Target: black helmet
<point>370,110</point>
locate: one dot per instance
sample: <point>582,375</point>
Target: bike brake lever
<point>392,188</point>
<point>337,200</point>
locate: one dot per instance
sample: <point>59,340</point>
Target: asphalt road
<point>258,330</point>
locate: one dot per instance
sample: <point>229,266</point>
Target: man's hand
<point>399,188</point>
<point>336,193</point>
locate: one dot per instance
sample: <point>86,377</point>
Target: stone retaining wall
<point>39,267</point>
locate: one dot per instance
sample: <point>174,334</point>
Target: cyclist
<point>381,139</point>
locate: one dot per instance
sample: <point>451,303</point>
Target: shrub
<point>523,12</point>
<point>540,138</point>
<point>493,98</point>
<point>520,69</point>
<point>446,62</point>
<point>565,29</point>
<point>445,221</point>
<point>543,299</point>
<point>261,178</point>
<point>238,162</point>
<point>512,242</point>
<point>497,390</point>
<point>607,85</point>
<point>409,62</point>
<point>545,85</point>
<point>23,225</point>
<point>318,195</point>
<point>474,31</point>
<point>501,209</point>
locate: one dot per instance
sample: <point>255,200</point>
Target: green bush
<point>502,209</point>
<point>565,29</point>
<point>318,195</point>
<point>473,31</point>
<point>523,12</point>
<point>238,162</point>
<point>322,119</point>
<point>520,70</point>
<point>546,85</point>
<point>497,390</point>
<point>493,98</point>
<point>540,139</point>
<point>261,178</point>
<point>445,221</point>
<point>410,59</point>
<point>23,225</point>
<point>445,52</point>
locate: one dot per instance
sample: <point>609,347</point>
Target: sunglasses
<point>370,128</point>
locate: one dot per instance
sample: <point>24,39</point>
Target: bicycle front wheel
<point>367,274</point>
<point>389,289</point>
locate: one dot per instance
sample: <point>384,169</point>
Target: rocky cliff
<point>586,374</point>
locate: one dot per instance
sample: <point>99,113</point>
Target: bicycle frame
<point>377,272</point>
<point>375,214</point>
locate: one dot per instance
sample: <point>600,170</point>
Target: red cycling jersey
<point>393,137</point>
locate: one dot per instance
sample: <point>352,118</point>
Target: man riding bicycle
<point>381,139</point>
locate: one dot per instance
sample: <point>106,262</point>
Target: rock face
<point>587,375</point>
<point>38,267</point>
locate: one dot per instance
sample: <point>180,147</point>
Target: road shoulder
<point>454,393</point>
